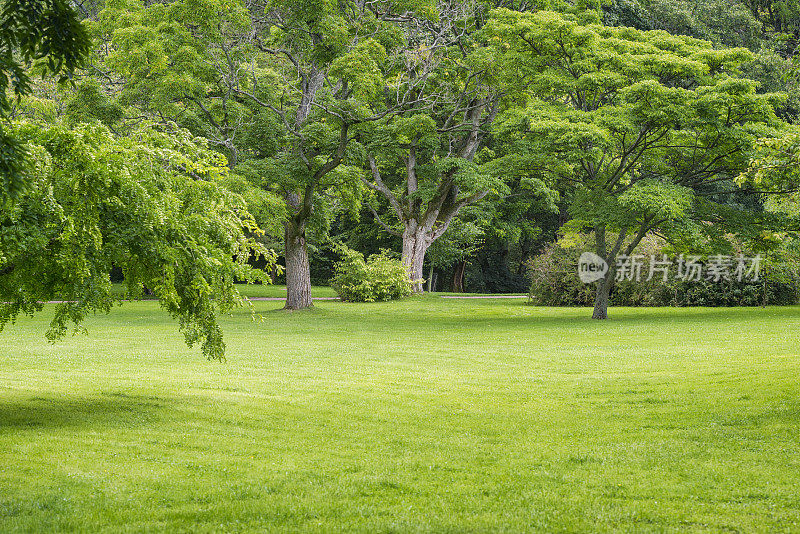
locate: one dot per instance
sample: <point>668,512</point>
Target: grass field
<point>426,415</point>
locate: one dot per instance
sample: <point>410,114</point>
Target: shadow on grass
<point>627,319</point>
<point>110,409</point>
<point>284,311</point>
<point>454,318</point>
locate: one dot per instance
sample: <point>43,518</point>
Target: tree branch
<point>382,188</point>
<point>385,226</point>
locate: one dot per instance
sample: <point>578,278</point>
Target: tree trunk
<point>415,245</point>
<point>458,276</point>
<point>601,300</point>
<point>298,272</point>
<point>430,279</point>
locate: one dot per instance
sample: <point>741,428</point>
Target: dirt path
<point>485,297</point>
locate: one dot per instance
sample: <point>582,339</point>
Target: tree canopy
<point>641,126</point>
<point>44,37</point>
<point>200,133</point>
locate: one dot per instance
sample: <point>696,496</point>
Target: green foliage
<point>361,68</point>
<point>770,28</point>
<point>276,89</point>
<point>43,36</point>
<point>381,277</point>
<point>13,164</point>
<point>463,238</point>
<point>555,282</point>
<point>554,278</point>
<point>149,204</point>
<point>776,163</point>
<point>637,127</point>
<point>87,103</point>
<point>628,129</point>
<point>45,32</point>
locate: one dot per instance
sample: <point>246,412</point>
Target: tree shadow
<point>106,409</point>
<point>569,318</point>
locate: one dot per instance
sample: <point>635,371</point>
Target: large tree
<point>280,86</point>
<point>640,127</point>
<point>424,158</point>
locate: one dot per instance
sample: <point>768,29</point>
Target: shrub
<point>381,277</point>
<point>554,278</point>
<point>555,282</point>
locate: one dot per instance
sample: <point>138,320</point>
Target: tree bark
<point>298,272</point>
<point>601,300</point>
<point>415,245</point>
<point>458,276</point>
<point>605,285</point>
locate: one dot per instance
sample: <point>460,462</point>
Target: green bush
<point>381,277</point>
<point>554,278</point>
<point>555,282</point>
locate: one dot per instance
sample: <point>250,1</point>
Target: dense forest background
<point>200,65</point>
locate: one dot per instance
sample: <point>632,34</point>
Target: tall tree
<point>422,157</point>
<point>278,85</point>
<point>641,126</point>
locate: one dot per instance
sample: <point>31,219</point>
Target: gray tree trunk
<point>601,300</point>
<point>298,272</point>
<point>415,245</point>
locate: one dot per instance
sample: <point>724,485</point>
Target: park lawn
<point>425,415</point>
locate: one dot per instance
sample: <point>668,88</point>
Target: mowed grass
<point>426,415</point>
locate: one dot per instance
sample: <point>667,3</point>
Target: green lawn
<point>426,415</point>
<point>261,291</point>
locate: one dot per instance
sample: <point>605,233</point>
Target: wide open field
<point>427,415</point>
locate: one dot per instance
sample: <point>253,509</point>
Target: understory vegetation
<point>555,281</point>
<point>378,278</point>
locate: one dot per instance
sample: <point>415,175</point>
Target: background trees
<point>503,128</point>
